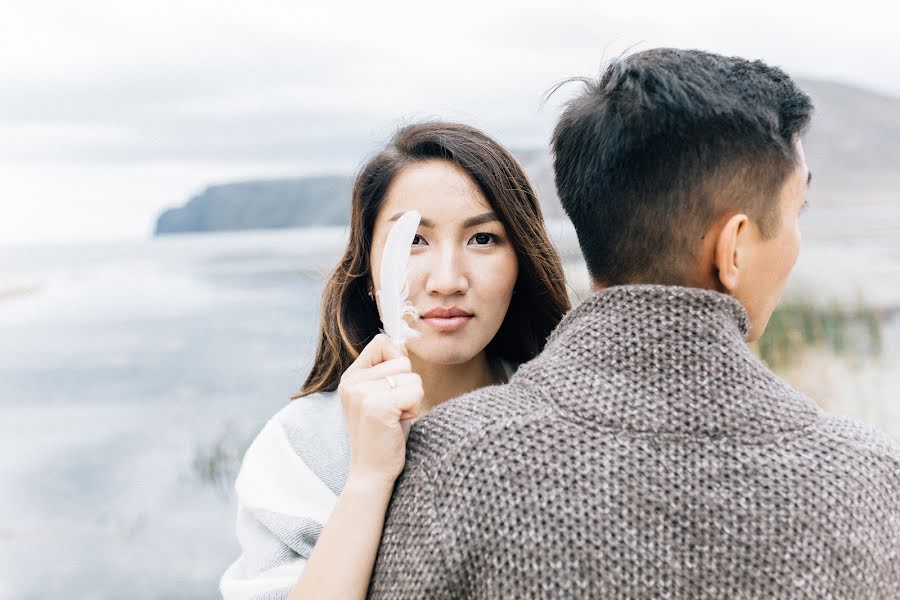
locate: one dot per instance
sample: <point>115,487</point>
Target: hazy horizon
<point>112,112</point>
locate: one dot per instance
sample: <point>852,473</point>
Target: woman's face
<point>462,265</point>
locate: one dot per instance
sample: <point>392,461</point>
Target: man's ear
<point>729,250</point>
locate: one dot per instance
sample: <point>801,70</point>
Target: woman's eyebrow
<point>470,222</point>
<point>480,220</point>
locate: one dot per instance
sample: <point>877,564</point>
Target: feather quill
<point>394,292</point>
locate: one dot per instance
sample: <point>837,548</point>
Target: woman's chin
<point>441,352</point>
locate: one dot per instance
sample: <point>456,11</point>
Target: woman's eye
<point>418,240</point>
<point>484,239</point>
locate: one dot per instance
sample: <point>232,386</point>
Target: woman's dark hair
<point>349,317</point>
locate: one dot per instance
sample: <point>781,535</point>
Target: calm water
<point>120,362</point>
<point>123,361</point>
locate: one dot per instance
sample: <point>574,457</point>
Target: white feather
<point>394,290</point>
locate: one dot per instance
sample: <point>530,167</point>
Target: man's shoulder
<point>858,463</point>
<point>852,438</point>
<point>465,422</point>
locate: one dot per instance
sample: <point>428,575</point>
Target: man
<point>647,453</point>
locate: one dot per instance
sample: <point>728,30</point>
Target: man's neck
<point>707,281</point>
<point>663,359</point>
<point>443,382</point>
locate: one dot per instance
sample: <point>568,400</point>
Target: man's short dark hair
<point>663,143</point>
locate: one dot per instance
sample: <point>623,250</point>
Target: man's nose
<point>446,273</point>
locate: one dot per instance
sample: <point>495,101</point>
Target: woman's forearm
<point>341,562</point>
<point>376,391</point>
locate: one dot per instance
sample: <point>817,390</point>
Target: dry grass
<point>836,356</point>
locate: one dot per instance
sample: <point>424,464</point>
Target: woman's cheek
<point>497,275</point>
<point>416,277</point>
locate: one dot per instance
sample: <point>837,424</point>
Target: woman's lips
<point>447,318</point>
<point>447,323</point>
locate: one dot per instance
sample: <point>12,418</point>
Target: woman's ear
<point>729,248</point>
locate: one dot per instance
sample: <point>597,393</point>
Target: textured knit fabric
<point>287,487</point>
<point>646,453</point>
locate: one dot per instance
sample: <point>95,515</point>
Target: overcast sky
<point>112,111</point>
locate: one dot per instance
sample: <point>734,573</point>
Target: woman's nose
<point>446,273</point>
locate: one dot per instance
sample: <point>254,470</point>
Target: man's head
<point>683,167</point>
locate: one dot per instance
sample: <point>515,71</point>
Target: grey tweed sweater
<point>646,453</point>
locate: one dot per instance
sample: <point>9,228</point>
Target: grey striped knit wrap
<point>646,453</point>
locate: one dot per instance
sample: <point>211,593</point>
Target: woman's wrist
<point>369,484</point>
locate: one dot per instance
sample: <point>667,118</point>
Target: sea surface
<point>122,363</point>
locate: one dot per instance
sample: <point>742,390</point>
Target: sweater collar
<point>664,359</point>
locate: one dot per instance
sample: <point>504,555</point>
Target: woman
<point>489,288</point>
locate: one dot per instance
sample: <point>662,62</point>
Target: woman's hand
<point>377,391</point>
